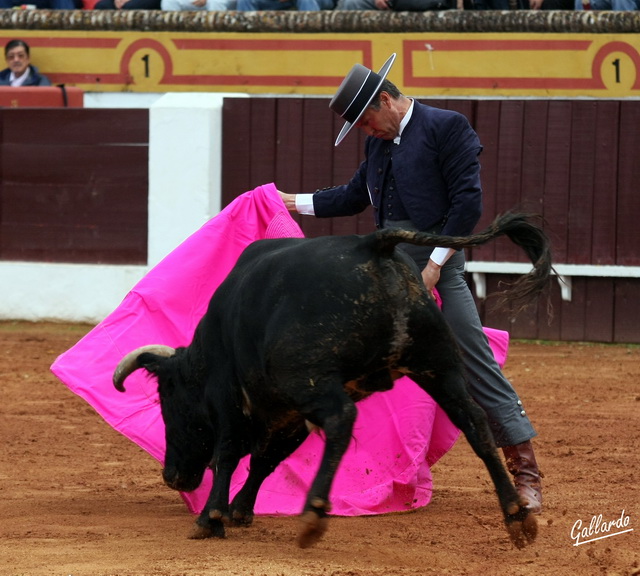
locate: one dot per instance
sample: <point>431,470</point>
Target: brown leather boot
<point>521,462</point>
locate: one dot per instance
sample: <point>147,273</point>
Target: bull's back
<point>331,301</point>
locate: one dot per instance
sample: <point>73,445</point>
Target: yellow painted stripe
<point>428,64</point>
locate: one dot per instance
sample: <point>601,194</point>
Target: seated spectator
<point>551,4</point>
<point>363,5</point>
<point>499,4</point>
<point>522,4</point>
<point>209,5</point>
<point>20,71</point>
<point>252,5</point>
<point>607,4</point>
<point>398,5</point>
<point>127,5</point>
<point>40,4</point>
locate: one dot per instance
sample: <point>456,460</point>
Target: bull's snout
<point>172,478</point>
<point>183,483</point>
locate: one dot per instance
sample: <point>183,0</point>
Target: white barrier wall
<point>63,292</point>
<point>185,134</point>
<point>185,161</point>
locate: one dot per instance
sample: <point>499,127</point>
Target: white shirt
<point>403,123</point>
<point>20,80</point>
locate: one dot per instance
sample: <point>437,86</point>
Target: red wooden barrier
<point>74,185</point>
<point>575,162</point>
<point>41,97</point>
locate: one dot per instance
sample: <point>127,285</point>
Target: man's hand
<point>382,4</point>
<point>431,276</point>
<point>289,200</point>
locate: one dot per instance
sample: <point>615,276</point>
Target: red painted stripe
<point>491,44</point>
<point>510,83</point>
<point>210,80</point>
<point>275,44</point>
<point>95,79</point>
<point>69,42</point>
<point>186,80</point>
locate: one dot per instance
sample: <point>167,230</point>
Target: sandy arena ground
<point>77,498</point>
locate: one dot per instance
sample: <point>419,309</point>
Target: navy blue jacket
<point>35,78</point>
<point>436,170</point>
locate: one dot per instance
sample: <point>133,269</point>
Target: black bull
<point>297,333</point>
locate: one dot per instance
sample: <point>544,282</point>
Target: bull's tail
<point>519,228</point>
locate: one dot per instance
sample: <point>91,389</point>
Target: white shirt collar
<point>403,123</point>
<point>20,80</point>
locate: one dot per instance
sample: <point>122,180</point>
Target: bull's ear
<point>151,362</point>
<point>130,362</point>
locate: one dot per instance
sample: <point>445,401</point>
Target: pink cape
<point>398,434</point>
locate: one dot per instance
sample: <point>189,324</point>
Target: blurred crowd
<point>252,5</point>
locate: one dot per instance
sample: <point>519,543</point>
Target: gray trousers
<point>508,420</point>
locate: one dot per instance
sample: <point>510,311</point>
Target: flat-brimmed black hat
<point>356,92</point>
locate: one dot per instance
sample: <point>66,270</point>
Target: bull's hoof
<point>211,529</point>
<point>522,527</point>
<point>312,528</point>
<point>241,518</point>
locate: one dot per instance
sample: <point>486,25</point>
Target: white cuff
<point>304,204</point>
<point>441,255</point>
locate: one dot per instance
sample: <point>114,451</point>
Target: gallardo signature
<point>597,529</point>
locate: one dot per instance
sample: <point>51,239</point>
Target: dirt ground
<point>77,498</point>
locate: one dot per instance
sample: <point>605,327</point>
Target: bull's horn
<point>130,362</point>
